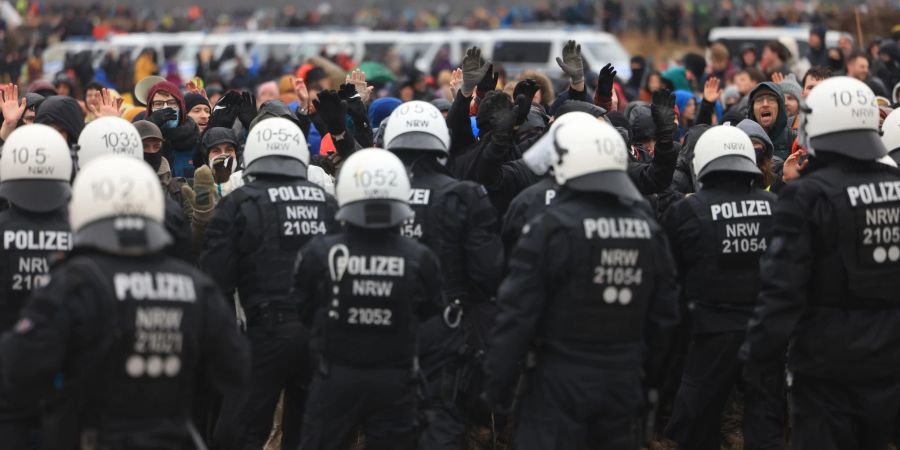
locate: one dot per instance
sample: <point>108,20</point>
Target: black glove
<point>161,116</point>
<point>663,111</point>
<point>225,112</point>
<point>347,91</point>
<point>488,81</point>
<point>332,110</point>
<point>605,81</point>
<point>526,87</point>
<point>246,110</point>
<point>507,121</point>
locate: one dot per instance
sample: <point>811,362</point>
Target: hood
<point>642,126</point>
<point>682,97</point>
<point>171,89</point>
<point>579,106</point>
<point>382,108</point>
<point>686,156</point>
<point>755,130</point>
<point>273,108</point>
<point>781,122</point>
<point>678,78</point>
<point>64,112</point>
<point>889,47</point>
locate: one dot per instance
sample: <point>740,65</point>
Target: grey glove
<point>571,62</point>
<point>473,70</point>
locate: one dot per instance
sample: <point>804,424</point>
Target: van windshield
<point>522,51</point>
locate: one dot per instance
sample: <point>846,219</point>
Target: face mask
<point>154,159</point>
<point>174,122</point>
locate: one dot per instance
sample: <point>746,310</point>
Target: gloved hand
<point>488,81</point>
<point>332,110</point>
<point>526,87</point>
<point>203,197</point>
<point>605,81</point>
<point>222,167</point>
<point>246,111</point>
<point>347,91</point>
<point>662,109</point>
<point>473,70</point>
<point>506,122</point>
<point>571,62</point>
<point>225,111</point>
<point>161,116</point>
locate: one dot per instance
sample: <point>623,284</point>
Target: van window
<point>522,51</point>
<point>605,51</point>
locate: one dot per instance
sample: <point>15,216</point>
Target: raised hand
<point>662,109</point>
<point>301,92</point>
<point>605,81</point>
<point>191,86</point>
<point>12,108</point>
<point>473,70</point>
<point>571,62</point>
<point>456,79</point>
<point>711,91</point>
<point>110,106</point>
<point>358,79</point>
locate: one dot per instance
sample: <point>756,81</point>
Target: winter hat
<point>168,88</point>
<point>442,104</point>
<point>192,99</point>
<point>64,112</point>
<point>696,64</point>
<point>42,87</point>
<point>790,86</point>
<point>148,130</point>
<point>730,92</point>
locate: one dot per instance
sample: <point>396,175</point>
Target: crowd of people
<point>462,259</point>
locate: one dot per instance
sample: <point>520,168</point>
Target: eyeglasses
<point>765,98</point>
<point>160,104</point>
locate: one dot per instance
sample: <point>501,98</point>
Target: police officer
<point>534,199</point>
<point>591,290</point>
<point>717,237</point>
<point>830,278</point>
<point>364,291</point>
<point>122,332</point>
<point>35,170</point>
<point>251,246</point>
<point>117,136</point>
<point>456,220</point>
